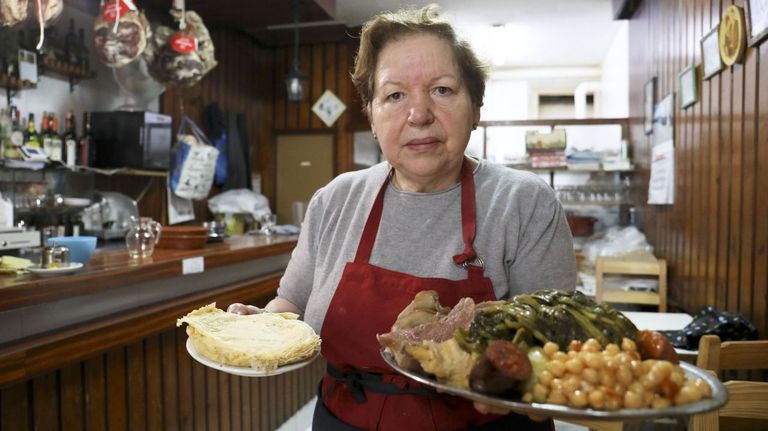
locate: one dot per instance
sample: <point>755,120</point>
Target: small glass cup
<point>268,222</point>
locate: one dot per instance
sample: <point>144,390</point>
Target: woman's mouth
<point>422,144</point>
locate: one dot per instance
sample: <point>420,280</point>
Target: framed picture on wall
<point>711,62</point>
<point>649,99</point>
<point>689,86</point>
<point>757,21</point>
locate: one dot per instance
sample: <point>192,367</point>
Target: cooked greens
<point>546,315</point>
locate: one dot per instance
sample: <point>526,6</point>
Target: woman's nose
<point>420,111</point>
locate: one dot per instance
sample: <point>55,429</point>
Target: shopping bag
<point>222,162</point>
<point>194,163</point>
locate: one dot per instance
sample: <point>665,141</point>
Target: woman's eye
<point>443,91</point>
<point>395,96</point>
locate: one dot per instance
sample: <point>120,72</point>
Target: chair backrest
<point>746,399</point>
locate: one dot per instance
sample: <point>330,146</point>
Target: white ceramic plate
<point>719,398</point>
<point>53,272</point>
<point>244,371</point>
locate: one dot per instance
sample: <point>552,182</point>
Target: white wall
<point>615,79</point>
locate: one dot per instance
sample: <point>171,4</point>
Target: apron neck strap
<point>468,258</point>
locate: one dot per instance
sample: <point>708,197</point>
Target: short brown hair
<point>391,26</point>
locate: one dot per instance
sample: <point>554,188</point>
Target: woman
<point>428,219</point>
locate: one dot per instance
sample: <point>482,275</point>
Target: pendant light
<point>296,80</point>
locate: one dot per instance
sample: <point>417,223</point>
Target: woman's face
<point>421,111</point>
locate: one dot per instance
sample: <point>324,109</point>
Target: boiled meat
<point>118,48</point>
<point>13,12</point>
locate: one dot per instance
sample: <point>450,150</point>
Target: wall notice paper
<point>661,187</point>
<point>179,209</point>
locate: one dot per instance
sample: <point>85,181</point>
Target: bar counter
<point>99,349</point>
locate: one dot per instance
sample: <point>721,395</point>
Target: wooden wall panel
<point>115,391</point>
<point>251,79</point>
<point>715,234</point>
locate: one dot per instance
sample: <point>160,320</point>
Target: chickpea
<point>611,362</point>
<point>590,375</point>
<point>578,398</point>
<point>587,386</point>
<point>592,345</point>
<point>550,348</point>
<point>624,358</point>
<point>612,402</point>
<point>677,380</point>
<point>633,400</point>
<point>624,375</point>
<point>545,377</point>
<point>575,346</point>
<point>703,387</point>
<point>571,383</point>
<point>638,368</point>
<point>556,397</point>
<point>619,390</point>
<point>651,380</point>
<point>663,369</point>
<point>574,365</point>
<point>612,349</point>
<point>594,361</point>
<point>572,354</point>
<point>628,345</point>
<point>557,368</point>
<point>607,378</point>
<point>691,393</point>
<point>527,397</point>
<point>596,399</point>
<point>557,385</point>
<point>540,393</point>
<point>560,356</point>
<point>660,403</point>
<point>636,387</point>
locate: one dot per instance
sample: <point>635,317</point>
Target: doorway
<point>304,164</point>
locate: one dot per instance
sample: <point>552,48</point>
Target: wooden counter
<point>100,350</point>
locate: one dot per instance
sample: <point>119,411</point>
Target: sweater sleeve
<point>296,283</point>
<point>544,258</point>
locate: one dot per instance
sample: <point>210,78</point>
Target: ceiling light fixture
<point>296,80</point>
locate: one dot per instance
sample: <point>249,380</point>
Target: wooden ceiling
<point>254,17</point>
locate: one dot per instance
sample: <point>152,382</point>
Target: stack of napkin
<point>14,265</point>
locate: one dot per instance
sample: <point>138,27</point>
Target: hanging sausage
<point>120,33</point>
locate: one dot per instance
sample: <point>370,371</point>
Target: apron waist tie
<point>359,381</point>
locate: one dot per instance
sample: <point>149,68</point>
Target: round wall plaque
<point>733,35</point>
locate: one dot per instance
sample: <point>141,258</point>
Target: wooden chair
<point>632,265</point>
<point>746,399</point>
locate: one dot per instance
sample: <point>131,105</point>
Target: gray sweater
<point>522,235</point>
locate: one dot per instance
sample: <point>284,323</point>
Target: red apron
<point>367,302</point>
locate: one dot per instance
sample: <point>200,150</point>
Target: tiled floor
<point>302,421</point>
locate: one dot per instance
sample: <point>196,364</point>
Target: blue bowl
<point>80,247</point>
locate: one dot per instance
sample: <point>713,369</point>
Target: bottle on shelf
<point>71,45</point>
<point>45,133</point>
<point>57,143</point>
<point>31,137</point>
<point>70,140</point>
<point>15,138</point>
<point>82,53</point>
<point>85,143</point>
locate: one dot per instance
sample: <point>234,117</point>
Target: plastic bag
<point>222,162</point>
<point>617,241</point>
<point>239,201</point>
<point>194,164</point>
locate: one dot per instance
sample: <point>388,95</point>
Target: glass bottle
<point>56,142</point>
<point>83,58</point>
<point>71,45</point>
<point>16,137</point>
<point>45,134</point>
<point>70,140</point>
<point>84,144</point>
<point>31,137</point>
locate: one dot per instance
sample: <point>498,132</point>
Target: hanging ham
<point>120,33</point>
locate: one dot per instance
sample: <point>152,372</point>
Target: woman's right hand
<point>238,308</point>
